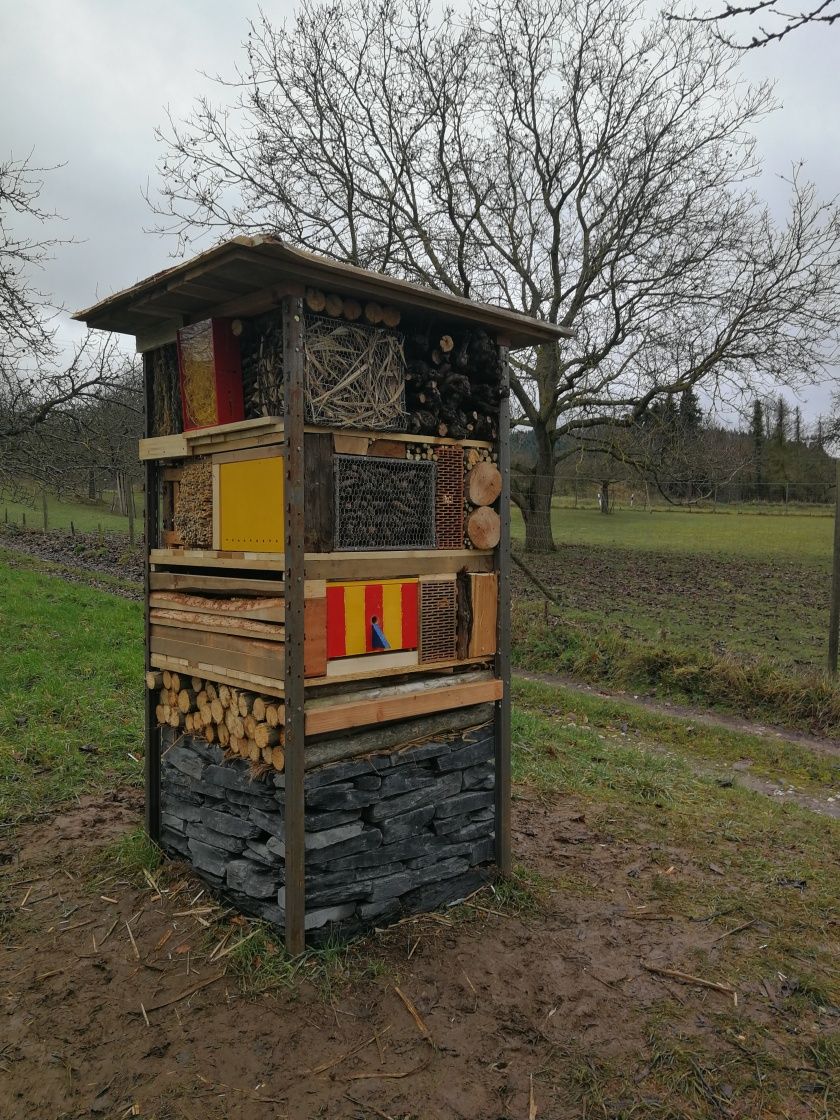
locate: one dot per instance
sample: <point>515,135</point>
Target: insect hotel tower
<point>327,604</point>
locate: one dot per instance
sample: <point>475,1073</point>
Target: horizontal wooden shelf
<point>333,565</point>
<point>269,429</point>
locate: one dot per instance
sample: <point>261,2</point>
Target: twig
<point>241,941</point>
<point>532,1104</point>
<point>343,1057</point>
<point>184,994</point>
<point>415,1015</point>
<point>687,978</point>
<point>145,1016</point>
<point>245,1092</point>
<point>737,929</point>
<point>133,942</point>
<point>369,1107</point>
<point>111,929</point>
<point>379,1076</point>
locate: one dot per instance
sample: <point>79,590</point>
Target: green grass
<point>71,663</point>
<point>87,517</point>
<point>704,676</point>
<point>806,540</point>
<point>622,722</point>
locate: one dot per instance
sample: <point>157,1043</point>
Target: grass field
<point>802,539</point>
<point>86,517</point>
<point>71,667</point>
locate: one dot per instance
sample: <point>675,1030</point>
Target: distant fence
<point>816,497</point>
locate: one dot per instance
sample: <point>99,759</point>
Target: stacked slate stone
<point>386,835</point>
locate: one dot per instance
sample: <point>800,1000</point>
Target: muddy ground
<point>532,1010</point>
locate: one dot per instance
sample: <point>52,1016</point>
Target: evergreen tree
<point>690,413</point>
<point>797,426</point>
<point>780,431</point>
<point>757,433</point>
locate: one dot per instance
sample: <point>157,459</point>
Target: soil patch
<point>82,556</point>
<point>543,1010</point>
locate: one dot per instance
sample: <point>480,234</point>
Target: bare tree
<point>782,21</point>
<point>576,161</point>
<point>39,377</point>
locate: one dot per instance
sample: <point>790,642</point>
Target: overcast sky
<point>84,83</point>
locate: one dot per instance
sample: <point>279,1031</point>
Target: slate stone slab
<point>438,854</point>
<point>257,850</point>
<point>314,822</point>
<point>342,771</point>
<point>406,778</point>
<point>255,882</point>
<point>367,781</point>
<point>390,807</point>
<point>432,895</point>
<point>176,841</point>
<point>487,814</point>
<point>218,840</point>
<point>316,918</point>
<point>471,755</point>
<point>272,823</point>
<point>339,797</point>
<point>233,775</point>
<point>383,909</point>
<point>365,841</point>
<point>266,802</point>
<point>328,878</point>
<point>424,751</point>
<point>176,792</point>
<point>483,851</point>
<point>407,824</point>
<point>209,752</point>
<point>330,837</point>
<point>464,803</point>
<point>229,824</point>
<point>478,777</point>
<point>410,848</point>
<point>185,761</point>
<point>457,829</point>
<point>208,858</point>
<point>184,810</point>
<point>176,824</point>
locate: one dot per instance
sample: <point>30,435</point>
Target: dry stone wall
<point>386,835</point>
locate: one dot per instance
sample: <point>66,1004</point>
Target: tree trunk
<point>536,498</point>
<point>605,496</point>
<point>92,484</point>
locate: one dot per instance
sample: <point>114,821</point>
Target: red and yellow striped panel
<point>352,607</point>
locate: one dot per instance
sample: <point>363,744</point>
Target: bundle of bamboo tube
<point>243,723</point>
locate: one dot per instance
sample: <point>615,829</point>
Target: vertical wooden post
<point>834,612</point>
<point>151,496</point>
<point>504,859</point>
<point>293,521</point>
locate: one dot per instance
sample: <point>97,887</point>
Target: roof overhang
<point>248,275</point>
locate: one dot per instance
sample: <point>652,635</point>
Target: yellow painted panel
<point>392,613</point>
<point>251,505</point>
<point>354,619</point>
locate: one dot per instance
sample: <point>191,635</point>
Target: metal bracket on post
<point>151,515</point>
<point>293,525</point>
<point>502,719</point>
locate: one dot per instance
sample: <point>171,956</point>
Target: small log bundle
<point>453,385</point>
<point>216,713</point>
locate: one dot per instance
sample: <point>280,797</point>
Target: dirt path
<point>824,801</point>
<point>537,1013</point>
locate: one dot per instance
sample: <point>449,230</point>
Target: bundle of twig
<point>166,417</point>
<point>261,355</point>
<point>192,516</point>
<point>354,375</point>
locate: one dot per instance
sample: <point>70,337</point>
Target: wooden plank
<point>152,741</point>
<point>267,451</point>
<point>484,592</point>
<point>366,712</point>
<point>234,643</point>
<point>342,437</point>
<point>345,444</point>
<point>217,624</point>
<point>225,585</point>
<point>393,565</point>
<point>217,673</point>
<point>406,670</point>
<point>261,610</point>
<point>373,663</point>
<point>163,447</point>
<point>318,493</point>
<point>239,427</point>
<point>315,636</point>
<point>214,558</point>
<point>170,642</point>
<point>387,449</point>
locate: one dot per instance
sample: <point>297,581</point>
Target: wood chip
<point>133,942</point>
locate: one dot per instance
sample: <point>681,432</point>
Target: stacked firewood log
<point>453,385</point>
<point>243,723</point>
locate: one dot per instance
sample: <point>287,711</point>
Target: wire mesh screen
<point>354,375</point>
<point>449,498</point>
<point>383,503</point>
<point>438,620</point>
